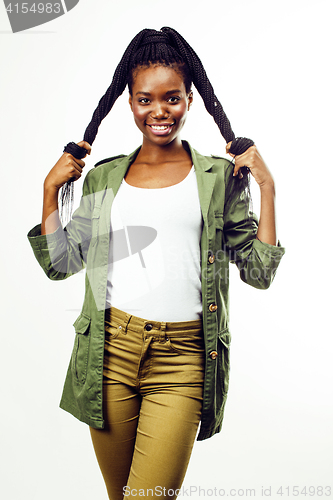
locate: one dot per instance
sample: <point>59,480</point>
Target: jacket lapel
<point>117,174</point>
<point>114,180</point>
<point>205,179</point>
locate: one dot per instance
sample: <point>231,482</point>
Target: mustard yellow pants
<point>153,384</point>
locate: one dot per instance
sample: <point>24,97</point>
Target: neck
<point>153,153</point>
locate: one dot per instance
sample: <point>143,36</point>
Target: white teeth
<point>159,127</point>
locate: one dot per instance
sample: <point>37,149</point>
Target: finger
<point>75,172</point>
<point>77,164</point>
<point>86,145</point>
<point>236,170</point>
<point>227,149</point>
<point>72,160</point>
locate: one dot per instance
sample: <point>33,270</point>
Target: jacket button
<point>148,327</point>
<point>213,354</point>
<point>211,259</point>
<point>212,307</point>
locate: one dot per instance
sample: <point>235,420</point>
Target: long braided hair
<point>165,47</point>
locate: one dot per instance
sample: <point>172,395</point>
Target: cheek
<point>181,112</point>
<point>138,112</point>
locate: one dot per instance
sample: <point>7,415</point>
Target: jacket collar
<point>202,167</point>
<point>203,163</point>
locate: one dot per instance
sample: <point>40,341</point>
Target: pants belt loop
<point>163,328</point>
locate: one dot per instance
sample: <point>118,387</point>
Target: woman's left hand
<point>253,160</point>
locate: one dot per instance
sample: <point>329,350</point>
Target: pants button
<point>148,327</point>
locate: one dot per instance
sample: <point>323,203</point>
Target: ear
<point>130,102</point>
<point>190,99</point>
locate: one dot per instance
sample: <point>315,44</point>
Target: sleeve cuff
<point>47,247</point>
<point>275,252</point>
<point>38,240</point>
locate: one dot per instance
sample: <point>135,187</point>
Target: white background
<point>270,63</point>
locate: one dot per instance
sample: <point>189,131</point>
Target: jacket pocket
<point>81,348</point>
<point>223,349</point>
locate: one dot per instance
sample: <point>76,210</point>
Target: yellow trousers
<point>152,389</point>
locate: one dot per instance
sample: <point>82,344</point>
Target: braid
<point>205,89</point>
<point>165,47</point>
<point>116,88</point>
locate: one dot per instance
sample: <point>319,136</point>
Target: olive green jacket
<point>228,235</point>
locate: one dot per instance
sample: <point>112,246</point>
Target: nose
<point>160,111</point>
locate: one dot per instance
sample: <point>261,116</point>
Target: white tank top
<point>154,257</point>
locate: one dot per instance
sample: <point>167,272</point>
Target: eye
<point>144,100</point>
<point>174,99</point>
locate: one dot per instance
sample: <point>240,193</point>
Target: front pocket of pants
<point>191,345</point>
<point>111,332</point>
<point>112,329</point>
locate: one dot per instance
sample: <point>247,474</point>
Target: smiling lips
<point>161,128</point>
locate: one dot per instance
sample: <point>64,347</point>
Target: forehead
<point>155,77</point>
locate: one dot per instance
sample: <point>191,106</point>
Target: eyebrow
<point>167,93</point>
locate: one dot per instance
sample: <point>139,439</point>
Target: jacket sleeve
<point>257,261</point>
<point>63,253</point>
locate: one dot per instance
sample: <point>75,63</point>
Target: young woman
<point>156,231</point>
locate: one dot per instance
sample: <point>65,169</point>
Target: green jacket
<point>228,235</point>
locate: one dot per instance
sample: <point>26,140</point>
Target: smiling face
<point>159,103</point>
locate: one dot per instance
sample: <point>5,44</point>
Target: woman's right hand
<point>67,168</point>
